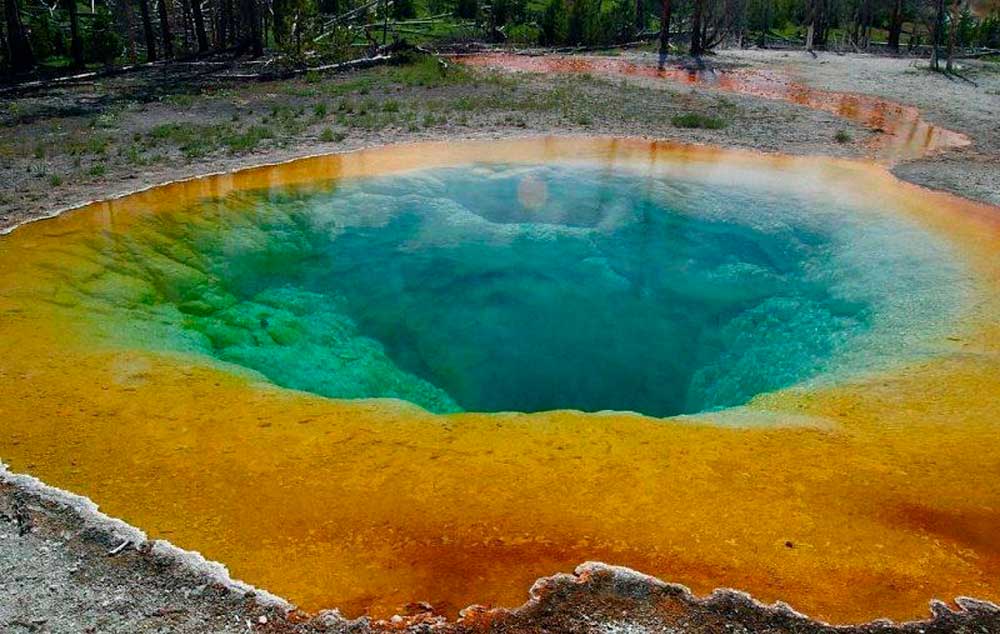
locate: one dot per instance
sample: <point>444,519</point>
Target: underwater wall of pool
<point>436,372</point>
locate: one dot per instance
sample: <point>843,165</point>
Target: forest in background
<point>58,37</point>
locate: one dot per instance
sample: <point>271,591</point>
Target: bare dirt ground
<point>72,144</point>
<point>63,567</point>
<point>970,106</point>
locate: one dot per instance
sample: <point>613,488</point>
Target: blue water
<point>529,288</point>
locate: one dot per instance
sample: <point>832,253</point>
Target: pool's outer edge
<point>130,536</point>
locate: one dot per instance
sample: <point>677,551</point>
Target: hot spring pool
<point>435,373</point>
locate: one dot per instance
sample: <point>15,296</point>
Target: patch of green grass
<point>330,136</point>
<point>299,91</point>
<point>697,120</point>
<point>247,140</point>
<point>842,136</point>
<point>429,72</point>
<point>390,105</point>
<point>465,104</point>
<point>97,170</point>
<point>132,154</point>
<point>284,112</point>
<point>181,101</point>
<point>354,85</point>
<point>40,151</point>
<point>319,110</point>
<point>430,120</point>
<point>107,120</point>
<point>91,144</point>
<point>55,180</point>
<point>193,140</point>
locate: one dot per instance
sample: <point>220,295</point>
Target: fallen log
<point>363,62</point>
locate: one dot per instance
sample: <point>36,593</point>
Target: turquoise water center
<point>514,287</point>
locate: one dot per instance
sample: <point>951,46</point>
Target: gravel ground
<point>56,573</point>
<point>74,144</point>
<point>970,106</point>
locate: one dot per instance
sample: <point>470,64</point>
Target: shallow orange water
<point>862,500</point>
<point>903,133</point>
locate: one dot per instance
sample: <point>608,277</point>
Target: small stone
<point>262,620</point>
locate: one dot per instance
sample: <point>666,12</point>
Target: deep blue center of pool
<point>527,288</point>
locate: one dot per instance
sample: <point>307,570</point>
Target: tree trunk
<point>22,59</point>
<point>811,21</point>
<point>279,19</point>
<point>222,32</point>
<point>128,14</point>
<point>952,28</point>
<point>697,46</point>
<point>199,26</point>
<point>168,38</point>
<point>75,43</point>
<point>895,24</point>
<point>665,12</point>
<point>252,14</point>
<point>937,35</point>
<point>147,31</point>
<point>765,23</point>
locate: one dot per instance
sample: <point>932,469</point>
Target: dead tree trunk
<point>168,38</point>
<point>22,59</point>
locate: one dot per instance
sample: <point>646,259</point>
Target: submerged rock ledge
<point>131,584</point>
